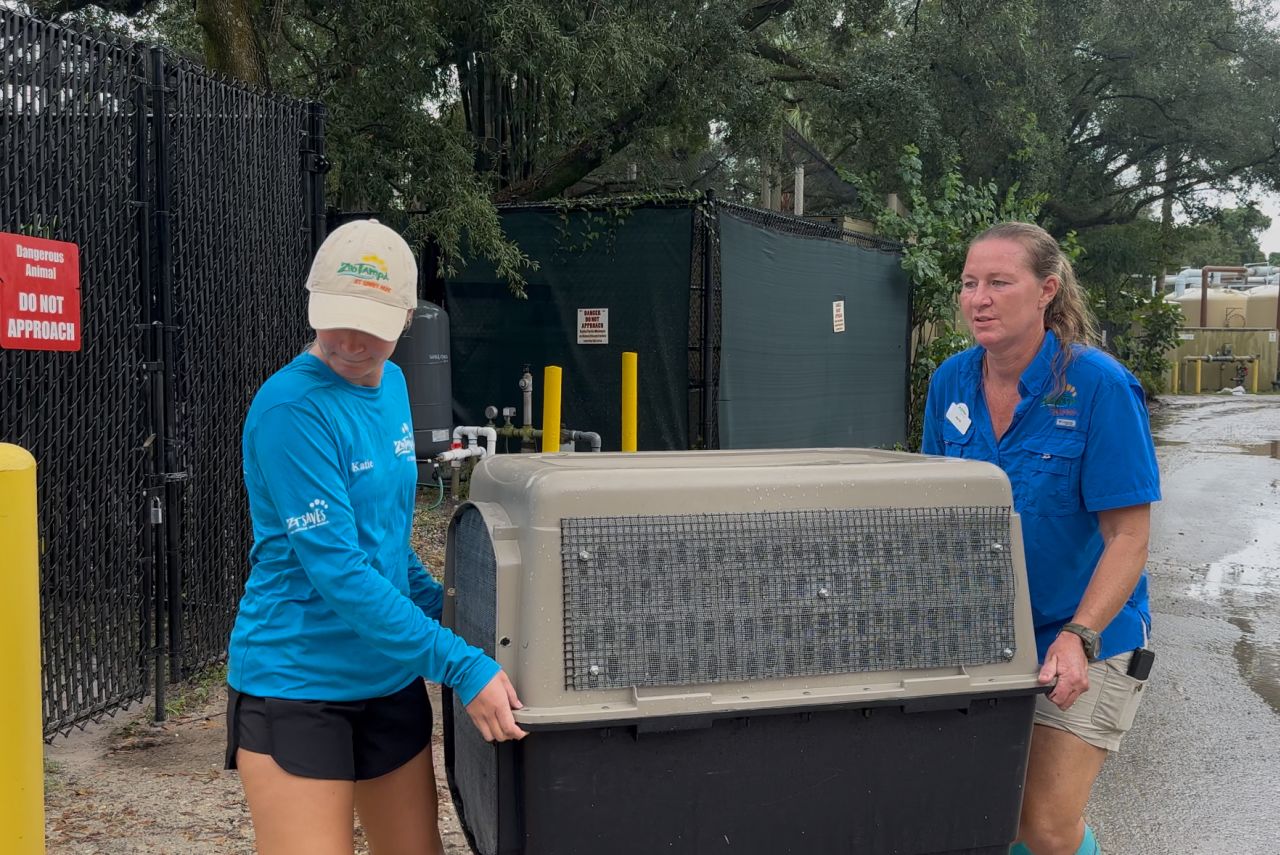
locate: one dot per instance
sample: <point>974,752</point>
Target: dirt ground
<point>124,785</point>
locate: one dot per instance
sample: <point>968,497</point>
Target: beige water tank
<point>1226,307</point>
<point>1260,309</point>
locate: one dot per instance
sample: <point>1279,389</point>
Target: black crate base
<point>866,781</point>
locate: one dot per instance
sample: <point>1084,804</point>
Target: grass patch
<point>181,699</point>
<point>195,692</point>
<point>52,775</point>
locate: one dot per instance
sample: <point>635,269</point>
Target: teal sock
<point>1088,846</point>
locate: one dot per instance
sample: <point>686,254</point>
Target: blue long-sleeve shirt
<point>337,605</point>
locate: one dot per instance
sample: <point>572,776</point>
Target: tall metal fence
<point>196,203</point>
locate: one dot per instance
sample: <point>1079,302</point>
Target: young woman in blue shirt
<point>339,622</point>
<point>1068,424</point>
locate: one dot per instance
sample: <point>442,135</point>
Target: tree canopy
<point>1114,110</point>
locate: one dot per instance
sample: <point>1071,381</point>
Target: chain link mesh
<point>240,253</point>
<point>79,163</point>
<point>67,137</point>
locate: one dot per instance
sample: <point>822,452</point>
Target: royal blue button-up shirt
<point>1068,454</point>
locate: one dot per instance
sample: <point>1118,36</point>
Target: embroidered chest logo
<point>313,518</point>
<point>1063,404</point>
<point>404,445</point>
<point>1066,398</point>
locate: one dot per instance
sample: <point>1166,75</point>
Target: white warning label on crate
<point>1187,336</point>
<point>837,316</point>
<point>593,326</point>
<point>439,434</point>
<point>1271,336</point>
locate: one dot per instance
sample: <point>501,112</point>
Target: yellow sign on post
<point>21,727</point>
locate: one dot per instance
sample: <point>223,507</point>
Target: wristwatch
<point>1090,638</point>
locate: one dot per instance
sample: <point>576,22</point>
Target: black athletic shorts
<point>332,740</point>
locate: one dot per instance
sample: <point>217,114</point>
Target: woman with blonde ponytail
<point>1068,425</point>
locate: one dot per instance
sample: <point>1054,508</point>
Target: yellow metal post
<point>1175,388</point>
<point>21,727</point>
<point>629,373</point>
<point>551,409</point>
<point>1199,365</point>
<point>1257,364</point>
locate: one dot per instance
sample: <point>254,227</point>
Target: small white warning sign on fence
<point>837,315</point>
<point>593,326</point>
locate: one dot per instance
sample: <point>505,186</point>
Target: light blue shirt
<point>337,605</point>
<point>1068,455</point>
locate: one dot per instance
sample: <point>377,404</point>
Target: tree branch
<point>1127,96</point>
<point>778,56</point>
<point>761,13</point>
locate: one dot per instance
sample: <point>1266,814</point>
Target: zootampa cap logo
<point>368,267</point>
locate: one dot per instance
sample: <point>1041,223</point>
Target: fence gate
<point>196,203</point>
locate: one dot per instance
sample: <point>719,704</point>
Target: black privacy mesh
<point>194,236</point>
<point>710,598</point>
<point>67,138</point>
<point>240,251</point>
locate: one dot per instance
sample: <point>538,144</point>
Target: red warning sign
<point>39,293</point>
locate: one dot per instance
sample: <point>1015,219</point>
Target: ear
<point>1049,290</point>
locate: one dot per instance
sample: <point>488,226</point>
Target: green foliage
<point>941,220</point>
<point>1143,346</point>
<point>1220,236</point>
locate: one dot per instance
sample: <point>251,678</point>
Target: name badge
<point>958,415</point>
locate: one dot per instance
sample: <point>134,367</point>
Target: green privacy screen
<point>764,367</point>
<point>788,377</point>
<point>637,267</point>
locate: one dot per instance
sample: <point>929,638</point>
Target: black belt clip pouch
<point>1140,663</point>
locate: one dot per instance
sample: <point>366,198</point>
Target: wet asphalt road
<point>1200,772</point>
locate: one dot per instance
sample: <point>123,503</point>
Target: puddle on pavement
<point>1262,449</point>
<point>1259,662</point>
<point>1225,577</point>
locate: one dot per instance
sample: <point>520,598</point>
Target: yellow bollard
<point>1199,365</point>
<point>1175,389</point>
<point>21,725</point>
<point>629,372</point>
<point>1257,364</point>
<point>551,409</point>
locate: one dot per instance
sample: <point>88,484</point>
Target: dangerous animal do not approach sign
<point>39,294</point>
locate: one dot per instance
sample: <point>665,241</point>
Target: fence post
<point>315,165</point>
<point>162,408</point>
<point>708,323</point>
<point>21,725</point>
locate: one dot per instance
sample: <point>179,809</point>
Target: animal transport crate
<point>803,651</point>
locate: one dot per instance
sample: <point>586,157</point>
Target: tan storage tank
<point>694,633</point>
<point>1226,307</point>
<point>1260,310</point>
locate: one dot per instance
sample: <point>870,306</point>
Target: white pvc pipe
<point>456,454</point>
<point>473,435</point>
<point>526,393</point>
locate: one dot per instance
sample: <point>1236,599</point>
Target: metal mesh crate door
<point>709,598</point>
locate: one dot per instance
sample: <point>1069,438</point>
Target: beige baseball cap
<point>363,278</point>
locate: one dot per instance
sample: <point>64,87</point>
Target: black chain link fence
<point>195,234</point>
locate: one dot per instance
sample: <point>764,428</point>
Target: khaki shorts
<point>1102,715</point>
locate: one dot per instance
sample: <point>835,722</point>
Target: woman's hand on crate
<point>491,710</point>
